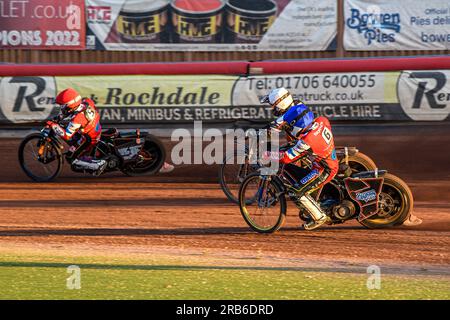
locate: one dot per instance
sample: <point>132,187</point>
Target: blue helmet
<point>303,117</point>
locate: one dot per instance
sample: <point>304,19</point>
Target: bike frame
<point>366,208</point>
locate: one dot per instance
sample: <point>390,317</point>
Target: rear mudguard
<point>343,151</point>
<point>134,134</point>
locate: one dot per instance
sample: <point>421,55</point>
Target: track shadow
<point>362,269</point>
<point>93,232</point>
<point>435,227</point>
<point>327,228</point>
<point>112,232</point>
<point>115,185</point>
<point>163,202</point>
<point>181,174</point>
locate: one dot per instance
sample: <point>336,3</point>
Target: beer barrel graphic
<point>248,20</point>
<point>197,21</point>
<point>149,23</point>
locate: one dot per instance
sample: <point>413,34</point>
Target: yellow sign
<point>146,91</point>
<point>390,87</point>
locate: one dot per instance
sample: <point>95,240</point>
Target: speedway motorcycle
<point>42,155</point>
<point>375,198</point>
<point>231,173</point>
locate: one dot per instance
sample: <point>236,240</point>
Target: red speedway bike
<point>232,173</point>
<point>42,154</point>
<point>375,198</point>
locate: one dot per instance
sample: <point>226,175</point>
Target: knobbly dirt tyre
<point>278,197</point>
<point>156,150</point>
<point>52,148</point>
<point>396,203</point>
<point>361,162</point>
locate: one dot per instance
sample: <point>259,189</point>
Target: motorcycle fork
<point>43,150</point>
<point>263,197</point>
<point>242,173</point>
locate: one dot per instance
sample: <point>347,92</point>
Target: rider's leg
<point>79,144</point>
<point>87,162</point>
<point>311,182</point>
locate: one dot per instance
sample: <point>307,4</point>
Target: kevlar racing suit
<point>314,142</point>
<point>82,133</point>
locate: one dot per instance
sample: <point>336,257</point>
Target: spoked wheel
<point>232,173</point>
<point>262,203</point>
<point>39,158</point>
<point>395,204</point>
<point>151,158</point>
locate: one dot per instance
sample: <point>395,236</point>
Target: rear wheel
<point>395,204</point>
<point>361,162</point>
<point>39,158</point>
<point>152,157</point>
<point>262,203</point>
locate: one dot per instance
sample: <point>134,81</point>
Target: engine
<point>113,162</point>
<point>344,210</point>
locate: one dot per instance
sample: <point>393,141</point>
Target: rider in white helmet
<point>281,100</point>
<point>314,140</point>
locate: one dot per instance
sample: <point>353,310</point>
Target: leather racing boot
<point>96,166</point>
<point>313,208</point>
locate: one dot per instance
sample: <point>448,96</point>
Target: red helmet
<point>69,99</point>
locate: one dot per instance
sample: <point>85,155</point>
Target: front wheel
<point>40,158</point>
<point>151,158</point>
<point>395,204</point>
<point>262,203</point>
<point>232,172</point>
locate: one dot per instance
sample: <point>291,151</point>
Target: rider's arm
<point>71,129</point>
<point>74,125</point>
<point>298,151</point>
<point>284,121</point>
<point>276,125</point>
<point>68,132</point>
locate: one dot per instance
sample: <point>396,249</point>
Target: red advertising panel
<point>44,24</point>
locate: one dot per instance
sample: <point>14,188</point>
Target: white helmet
<point>280,99</point>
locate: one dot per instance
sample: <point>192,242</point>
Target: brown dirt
<point>129,213</point>
<point>198,217</point>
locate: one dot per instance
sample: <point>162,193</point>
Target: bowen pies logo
<point>374,25</point>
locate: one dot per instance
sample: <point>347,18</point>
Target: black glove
<point>57,118</point>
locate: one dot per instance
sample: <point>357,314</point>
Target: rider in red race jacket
<point>83,131</point>
<point>314,140</point>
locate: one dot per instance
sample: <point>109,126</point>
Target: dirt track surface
<point>196,217</point>
<point>128,214</point>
